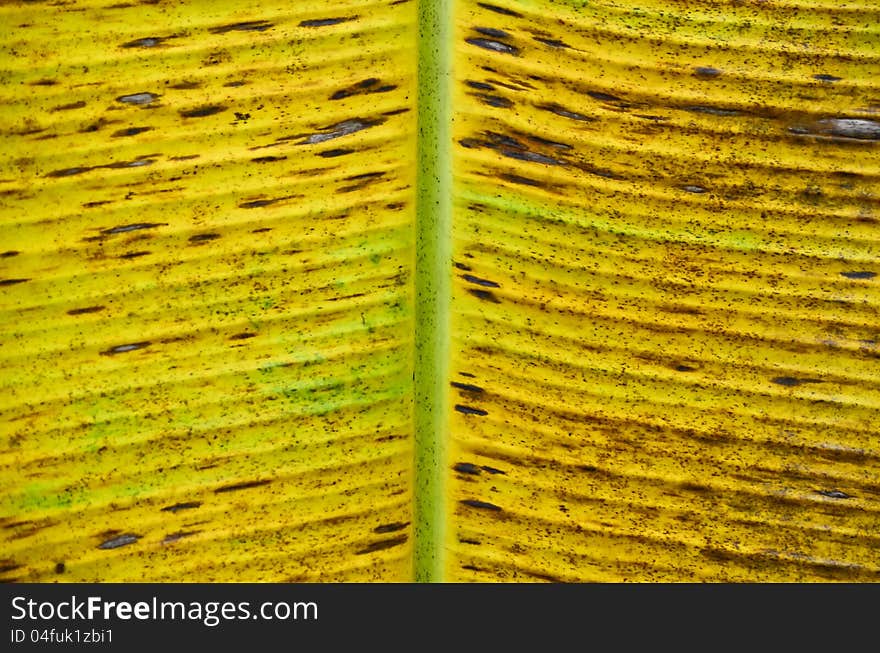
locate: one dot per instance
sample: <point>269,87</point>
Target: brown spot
<point>325,22</point>
<point>201,112</point>
<point>499,10</point>
<point>137,226</point>
<point>469,410</point>
<point>242,486</point>
<point>245,26</point>
<point>188,505</point>
<point>122,349</point>
<point>382,544</point>
<point>146,42</point>
<point>482,505</point>
<point>391,528</point>
<point>467,468</point>
<point>130,131</point>
<point>68,107</point>
<point>179,535</point>
<point>835,494</point>
<point>467,387</point>
<point>553,43</point>
<point>791,381</point>
<point>329,154</point>
<point>485,295</point>
<point>119,541</point>
<point>203,238</point>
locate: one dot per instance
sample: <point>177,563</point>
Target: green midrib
<point>433,285</point>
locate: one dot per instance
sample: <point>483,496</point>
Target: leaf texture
<point>665,311</point>
<point>206,305</point>
<point>664,319</point>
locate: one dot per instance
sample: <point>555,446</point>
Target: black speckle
<point>467,410</point>
<point>391,528</point>
<point>200,112</point>
<point>246,26</point>
<point>242,486</point>
<point>468,374</point>
<point>835,494</point>
<point>826,78</point>
<point>147,42</point>
<point>122,349</point>
<point>494,46</point>
<point>467,468</point>
<point>243,336</point>
<point>9,253</point>
<point>189,505</point>
<point>12,282</point>
<point>684,368</point>
<point>493,470</point>
<point>467,387</point>
<point>119,540</point>
<point>242,116</point>
<point>861,274</point>
<point>324,22</point>
<point>462,266</point>
<point>483,505</point>
<point>60,568</point>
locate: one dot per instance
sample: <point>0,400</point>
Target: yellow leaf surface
<point>665,315</point>
<point>206,218</point>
